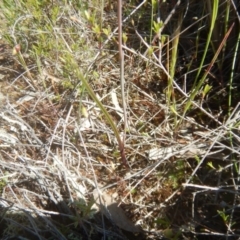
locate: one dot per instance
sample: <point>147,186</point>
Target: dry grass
<point>59,160</point>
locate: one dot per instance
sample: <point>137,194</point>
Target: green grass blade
<point>104,111</point>
<point>213,21</point>
<point>202,80</point>
<point>198,85</point>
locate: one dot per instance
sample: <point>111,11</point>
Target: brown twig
<point>122,80</point>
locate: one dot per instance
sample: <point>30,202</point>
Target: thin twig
<point>122,80</point>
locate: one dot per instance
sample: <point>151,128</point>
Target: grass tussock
<point>98,145</point>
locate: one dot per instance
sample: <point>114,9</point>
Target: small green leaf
<point>124,38</point>
<point>197,159</point>
<point>164,38</point>
<point>150,51</point>
<point>106,31</point>
<point>206,90</point>
<point>96,29</point>
<point>223,215</point>
<point>157,26</point>
<point>133,191</point>
<point>210,164</point>
<point>87,14</point>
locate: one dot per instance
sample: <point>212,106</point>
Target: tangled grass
<point>61,173</point>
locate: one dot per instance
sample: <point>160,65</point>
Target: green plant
<point>69,53</point>
<point>201,81</point>
<point>226,218</point>
<point>3,182</point>
<point>83,210</point>
<point>178,174</point>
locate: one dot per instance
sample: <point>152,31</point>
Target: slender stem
<point>122,80</point>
